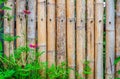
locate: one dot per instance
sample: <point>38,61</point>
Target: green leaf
<point>6,8</point>
<point>118,72</point>
<point>0,46</point>
<point>117,60</point>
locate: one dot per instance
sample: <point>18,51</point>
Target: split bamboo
<point>118,34</point>
<point>80,36</point>
<point>51,32</point>
<point>99,10</point>
<point>110,39</point>
<point>41,12</point>
<point>31,28</point>
<point>90,36</point>
<point>21,27</point>
<point>71,37</point>
<point>9,28</point>
<point>61,31</point>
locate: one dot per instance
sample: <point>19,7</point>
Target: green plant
<point>117,60</point>
<point>87,69</point>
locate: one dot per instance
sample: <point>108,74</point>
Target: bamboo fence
<point>69,31</point>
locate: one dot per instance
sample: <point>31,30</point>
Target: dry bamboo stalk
<point>61,31</point>
<point>31,28</point>
<point>118,34</point>
<point>42,30</point>
<point>80,36</point>
<point>110,39</point>
<point>71,37</point>
<point>90,36</point>
<point>51,32</point>
<point>9,28</point>
<point>21,27</point>
<point>99,39</point>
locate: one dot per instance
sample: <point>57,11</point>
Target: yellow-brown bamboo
<point>99,39</point>
<point>41,12</point>
<point>21,27</point>
<point>80,36</point>
<point>51,32</point>
<point>90,36</point>
<point>71,37</point>
<point>61,31</point>
<point>117,35</point>
<point>31,29</point>
<point>9,28</point>
<point>110,39</point>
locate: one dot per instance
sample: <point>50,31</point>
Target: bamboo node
<point>100,3</point>
<point>48,3</point>
<point>71,19</point>
<point>118,14</point>
<point>80,27</point>
<point>42,3</point>
<point>51,51</point>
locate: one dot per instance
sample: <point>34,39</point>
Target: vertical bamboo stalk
<point>21,26</point>
<point>80,35</point>
<point>118,34</point>
<point>9,28</point>
<point>51,32</point>
<point>61,31</point>
<point>90,36</point>
<point>71,37</point>
<point>31,27</point>
<point>110,39</point>
<point>99,39</point>
<point>42,30</point>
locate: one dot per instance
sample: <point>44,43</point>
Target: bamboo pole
<point>51,32</point>
<point>118,34</point>
<point>80,36</point>
<point>90,36</point>
<point>42,31</point>
<point>71,37</point>
<point>31,28</point>
<point>99,39</point>
<point>61,31</point>
<point>9,28</point>
<point>21,27</point>
<point>110,39</point>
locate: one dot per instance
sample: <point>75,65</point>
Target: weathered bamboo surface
<point>9,28</point>
<point>90,36</point>
<point>21,26</point>
<point>31,28</point>
<point>80,36</point>
<point>51,32</point>
<point>41,12</point>
<point>110,39</point>
<point>61,30</point>
<point>71,37</point>
<point>98,39</point>
<point>118,34</point>
<point>42,28</point>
